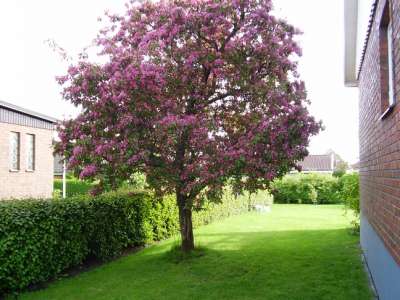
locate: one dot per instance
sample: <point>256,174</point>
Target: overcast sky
<point>28,66</point>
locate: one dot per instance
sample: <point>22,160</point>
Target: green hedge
<point>39,239</point>
<point>349,192</point>
<point>307,189</point>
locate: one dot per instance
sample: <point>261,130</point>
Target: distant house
<point>372,63</point>
<point>26,154</point>
<point>324,163</point>
<point>355,167</point>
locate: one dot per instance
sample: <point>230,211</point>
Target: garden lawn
<point>74,187</point>
<point>294,252</point>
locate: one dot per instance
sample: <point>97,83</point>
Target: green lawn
<point>294,252</point>
<point>74,187</point>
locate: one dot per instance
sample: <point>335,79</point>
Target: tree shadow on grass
<point>301,264</point>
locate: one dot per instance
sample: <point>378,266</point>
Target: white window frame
<point>18,150</point>
<point>392,100</point>
<point>30,137</point>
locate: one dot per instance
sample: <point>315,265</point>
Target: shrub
<point>76,186</point>
<point>338,173</point>
<point>229,206</point>
<point>306,189</point>
<point>326,186</point>
<point>260,197</point>
<point>349,192</point>
<point>39,239</point>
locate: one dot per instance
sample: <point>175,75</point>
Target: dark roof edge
<point>370,24</point>
<point>28,112</point>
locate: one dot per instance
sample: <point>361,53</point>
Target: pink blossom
<point>191,108</point>
<point>88,171</point>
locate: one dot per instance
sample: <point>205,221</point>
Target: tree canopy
<point>192,94</point>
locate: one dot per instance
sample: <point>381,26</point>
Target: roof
<point>356,166</point>
<point>350,42</point>
<point>317,163</point>
<point>370,23</point>
<point>353,19</point>
<point>27,112</point>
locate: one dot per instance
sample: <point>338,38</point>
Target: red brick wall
<point>380,139</point>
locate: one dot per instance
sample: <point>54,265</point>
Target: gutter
<point>28,112</point>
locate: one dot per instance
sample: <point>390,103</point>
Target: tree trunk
<point>185,222</point>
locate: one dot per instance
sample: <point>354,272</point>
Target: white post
<point>64,191</point>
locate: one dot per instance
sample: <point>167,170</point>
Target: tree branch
<point>219,97</point>
<point>211,43</point>
<point>235,29</point>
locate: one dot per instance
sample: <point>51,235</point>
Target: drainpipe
<point>332,161</point>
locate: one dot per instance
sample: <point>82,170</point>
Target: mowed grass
<point>74,187</point>
<point>294,252</point>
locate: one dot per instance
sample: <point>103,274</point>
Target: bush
<point>306,189</point>
<point>39,239</point>
<point>349,192</point>
<point>340,169</point>
<point>338,173</point>
<point>229,206</point>
<point>76,186</point>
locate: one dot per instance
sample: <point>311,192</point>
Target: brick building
<point>372,62</point>
<point>26,154</point>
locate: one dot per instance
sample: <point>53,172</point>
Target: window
<point>386,62</point>
<point>14,151</point>
<point>30,149</point>
<point>390,64</point>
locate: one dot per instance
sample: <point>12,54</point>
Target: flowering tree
<point>193,94</point>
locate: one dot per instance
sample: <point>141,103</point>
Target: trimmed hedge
<point>39,239</point>
<point>307,189</point>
